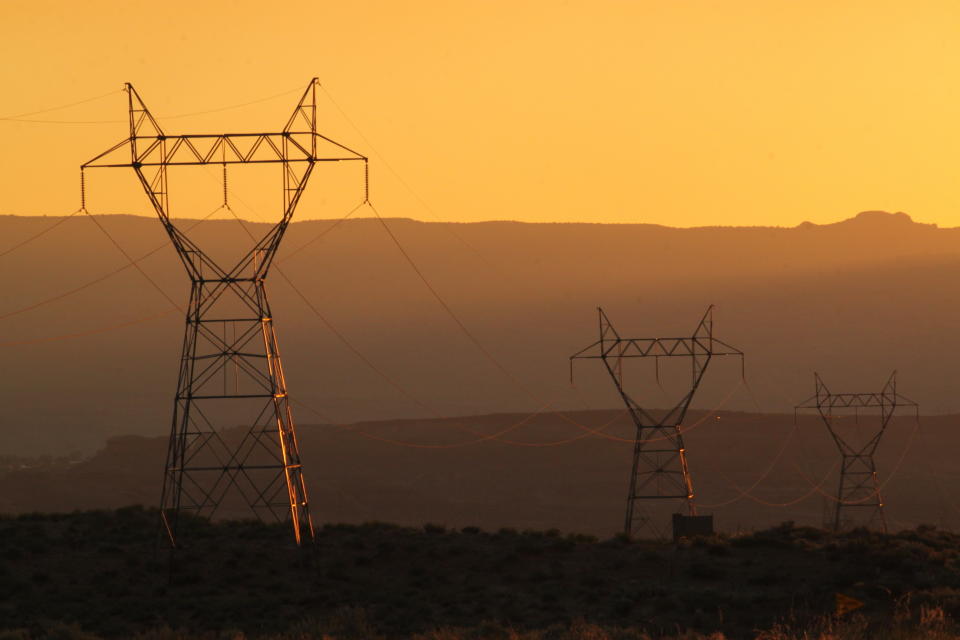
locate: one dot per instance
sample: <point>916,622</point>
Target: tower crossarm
<point>857,401</point>
<point>294,150</point>
<point>701,346</point>
<point>226,148</point>
<point>656,348</point>
<point>149,146</point>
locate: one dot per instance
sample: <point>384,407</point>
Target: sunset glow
<point>675,113</point>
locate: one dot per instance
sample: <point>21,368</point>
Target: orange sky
<point>674,112</point>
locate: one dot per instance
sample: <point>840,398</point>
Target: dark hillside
<point>541,473</point>
<point>98,570</point>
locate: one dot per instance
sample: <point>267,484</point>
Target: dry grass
<point>90,575</point>
<point>922,623</point>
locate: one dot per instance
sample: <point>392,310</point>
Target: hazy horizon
<point>307,218</point>
<point>847,299</point>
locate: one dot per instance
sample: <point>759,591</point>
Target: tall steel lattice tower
<point>858,498</point>
<point>230,368</point>
<point>659,470</point>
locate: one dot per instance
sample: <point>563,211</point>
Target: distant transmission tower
<point>859,491</point>
<point>659,471</point>
<point>230,368</point>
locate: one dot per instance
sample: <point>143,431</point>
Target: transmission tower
<point>858,495</point>
<point>659,470</point>
<point>230,368</point>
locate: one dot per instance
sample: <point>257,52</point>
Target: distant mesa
<point>873,220</point>
<point>880,217</point>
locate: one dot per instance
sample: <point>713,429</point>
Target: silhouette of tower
<point>659,470</point>
<point>230,368</point>
<point>858,495</point>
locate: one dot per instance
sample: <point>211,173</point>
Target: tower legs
<point>659,472</point>
<point>233,443</point>
<point>859,502</point>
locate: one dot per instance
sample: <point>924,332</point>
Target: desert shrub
<point>62,631</point>
<point>718,546</point>
<point>705,571</point>
<point>347,623</point>
<point>581,538</point>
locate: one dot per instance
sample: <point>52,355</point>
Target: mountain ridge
<point>92,347</point>
<point>863,217</point>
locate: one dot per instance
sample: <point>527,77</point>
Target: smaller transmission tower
<point>858,496</point>
<point>659,470</point>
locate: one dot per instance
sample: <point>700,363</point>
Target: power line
<point>239,105</point>
<point>497,436</point>
<point>406,185</point>
<point>588,431</point>
<point>73,291</point>
<point>22,117</point>
<point>462,326</point>
<point>32,121</point>
<point>446,307</point>
<point>17,116</point>
<point>40,233</point>
<point>340,336</point>
<point>470,336</point>
<point>133,263</point>
<point>326,322</point>
<point>97,280</point>
<point>90,332</point>
<point>320,235</point>
<point>763,476</point>
<point>816,488</point>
